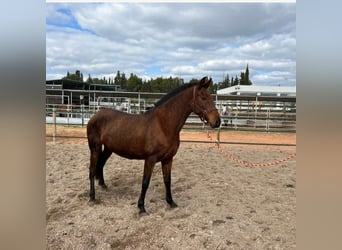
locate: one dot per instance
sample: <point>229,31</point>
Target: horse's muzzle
<point>216,124</point>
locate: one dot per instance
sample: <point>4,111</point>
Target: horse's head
<point>203,103</point>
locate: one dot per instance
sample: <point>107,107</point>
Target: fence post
<point>68,113</point>
<point>54,124</point>
<point>268,115</point>
<point>218,137</point>
<point>81,101</point>
<point>256,111</point>
<point>139,110</point>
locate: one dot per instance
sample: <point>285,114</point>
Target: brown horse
<point>152,136</point>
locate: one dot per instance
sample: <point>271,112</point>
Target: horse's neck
<point>174,112</point>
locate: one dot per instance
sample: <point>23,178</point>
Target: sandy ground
<point>221,204</point>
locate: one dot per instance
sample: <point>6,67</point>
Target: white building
<point>254,90</point>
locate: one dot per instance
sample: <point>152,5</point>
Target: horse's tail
<point>93,132</point>
<point>94,143</point>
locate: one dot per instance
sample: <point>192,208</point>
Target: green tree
<point>123,81</point>
<point>89,79</point>
<point>146,86</point>
<point>77,76</point>
<point>213,88</point>
<point>248,81</point>
<point>134,83</point>
<point>117,78</point>
<point>156,85</point>
<point>120,79</point>
<point>244,77</point>
<point>193,81</point>
<point>225,83</point>
<point>98,81</point>
<point>247,75</point>
<point>168,84</point>
<point>236,81</point>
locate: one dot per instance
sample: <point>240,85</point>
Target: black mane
<point>173,93</point>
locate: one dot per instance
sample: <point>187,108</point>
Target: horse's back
<point>108,125</point>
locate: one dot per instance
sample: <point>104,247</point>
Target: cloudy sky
<point>188,40</point>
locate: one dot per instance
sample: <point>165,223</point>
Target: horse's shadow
<point>119,188</point>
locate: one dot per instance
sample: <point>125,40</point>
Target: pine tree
<point>89,79</point>
<point>248,82</point>
<point>236,81</point>
<point>242,78</point>
<point>117,78</point>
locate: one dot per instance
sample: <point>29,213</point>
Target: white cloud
<point>190,40</point>
<point>185,70</point>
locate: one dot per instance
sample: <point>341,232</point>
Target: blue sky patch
<point>66,19</point>
<point>154,71</point>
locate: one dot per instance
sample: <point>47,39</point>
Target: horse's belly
<point>130,154</point>
<point>135,149</point>
<point>131,148</point>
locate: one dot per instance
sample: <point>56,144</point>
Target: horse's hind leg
<point>95,151</point>
<point>105,154</point>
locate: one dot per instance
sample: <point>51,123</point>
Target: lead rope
<point>246,163</point>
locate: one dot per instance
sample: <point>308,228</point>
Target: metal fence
<point>237,112</point>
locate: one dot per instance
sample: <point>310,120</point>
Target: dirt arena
<point>221,204</point>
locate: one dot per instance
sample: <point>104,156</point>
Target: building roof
<point>258,90</point>
<point>80,85</point>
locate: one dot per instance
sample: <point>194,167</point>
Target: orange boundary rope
<point>246,163</point>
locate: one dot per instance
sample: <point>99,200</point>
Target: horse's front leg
<point>166,166</point>
<point>148,169</point>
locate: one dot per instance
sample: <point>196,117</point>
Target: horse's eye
<point>204,98</point>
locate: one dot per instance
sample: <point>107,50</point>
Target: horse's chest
<point>167,150</point>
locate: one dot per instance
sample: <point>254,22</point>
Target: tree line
<point>134,83</point>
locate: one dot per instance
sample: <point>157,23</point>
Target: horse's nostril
<point>218,123</point>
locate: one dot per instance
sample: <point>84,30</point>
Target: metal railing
<point>235,114</point>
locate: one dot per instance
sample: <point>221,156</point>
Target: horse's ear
<point>205,83</point>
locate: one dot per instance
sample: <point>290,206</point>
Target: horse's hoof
<point>173,205</point>
<point>92,201</point>
<point>103,186</point>
<point>143,213</point>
